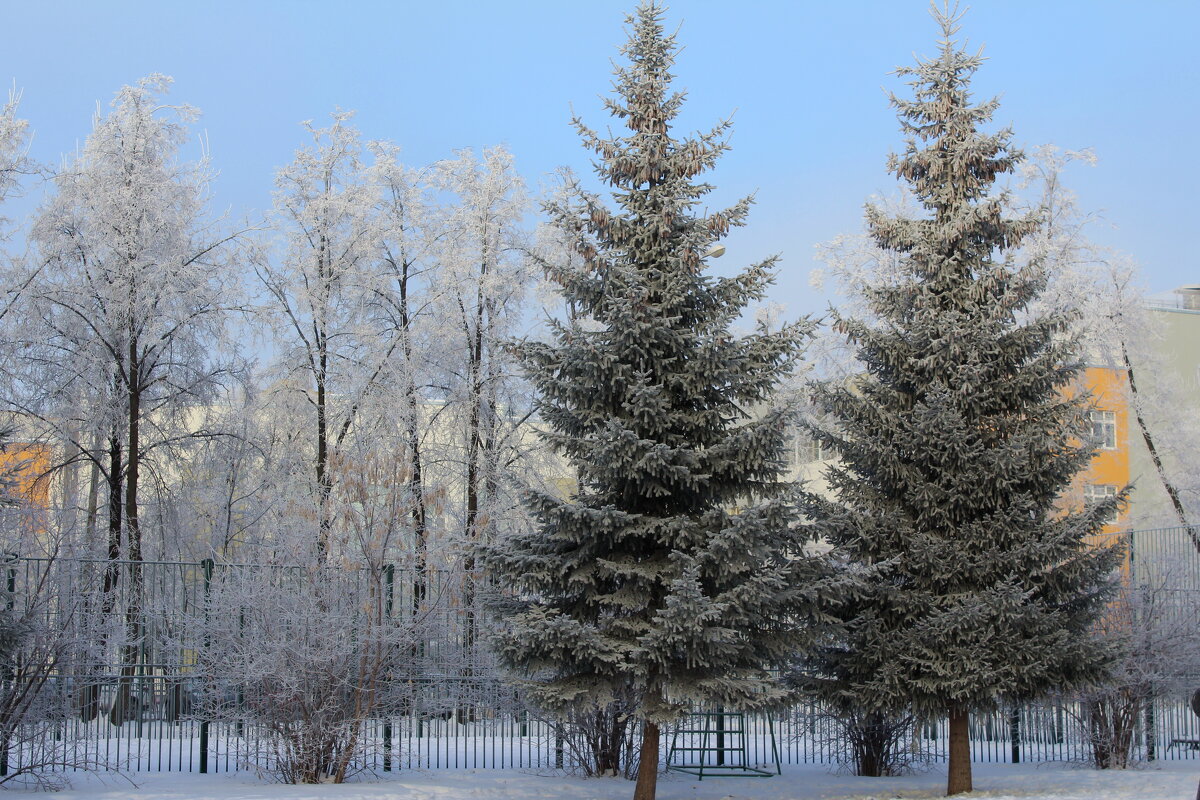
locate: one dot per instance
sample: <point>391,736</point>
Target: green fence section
<point>149,664</point>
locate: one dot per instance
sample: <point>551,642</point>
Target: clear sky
<point>807,80</point>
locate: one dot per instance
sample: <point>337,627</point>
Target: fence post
<point>720,729</point>
<point>1014,733</point>
<point>389,582</point>
<point>10,584</point>
<point>1151,735</point>
<point>241,693</point>
<point>207,566</point>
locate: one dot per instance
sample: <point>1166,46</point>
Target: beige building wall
<point>1170,387</point>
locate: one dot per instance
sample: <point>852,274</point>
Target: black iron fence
<point>151,666</point>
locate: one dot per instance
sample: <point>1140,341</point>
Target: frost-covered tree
<point>1153,624</point>
<point>338,348</point>
<point>123,337</point>
<point>15,163</point>
<point>482,280</point>
<point>669,576</point>
<point>408,232</point>
<point>1120,331</point>
<point>957,440</point>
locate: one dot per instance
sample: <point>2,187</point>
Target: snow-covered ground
<point>1162,781</point>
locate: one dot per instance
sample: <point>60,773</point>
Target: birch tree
<point>134,295</point>
<point>410,231</point>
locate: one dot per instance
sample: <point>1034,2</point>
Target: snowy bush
<point>875,743</point>
<point>306,658</point>
<point>601,739</point>
<point>1154,623</point>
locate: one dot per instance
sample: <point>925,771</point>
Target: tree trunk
<point>416,481</point>
<point>92,519</point>
<point>647,776</point>
<point>870,755</point>
<point>116,471</point>
<point>1099,728</point>
<point>472,539</point>
<point>133,527</point>
<point>320,341</point>
<point>474,476</point>
<point>608,739</point>
<point>321,466</point>
<point>68,510</point>
<point>958,778</point>
<point>90,701</point>
<point>418,513</point>
<point>123,707</point>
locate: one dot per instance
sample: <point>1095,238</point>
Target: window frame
<point>1104,428</point>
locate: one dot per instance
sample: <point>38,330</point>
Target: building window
<point>1094,493</point>
<point>814,450</point>
<point>806,450</point>
<point>1104,429</point>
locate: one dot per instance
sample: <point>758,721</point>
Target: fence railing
<point>137,663</point>
<point>154,740</point>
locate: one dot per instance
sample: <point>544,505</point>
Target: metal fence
<point>137,660</point>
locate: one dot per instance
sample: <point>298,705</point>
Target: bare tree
<point>342,299</point>
<point>484,278</point>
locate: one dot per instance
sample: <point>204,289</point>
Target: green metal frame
<point>711,759</point>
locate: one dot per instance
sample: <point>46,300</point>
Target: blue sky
<point>807,80</point>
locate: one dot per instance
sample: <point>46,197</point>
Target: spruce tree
<point>672,575</point>
<point>957,442</point>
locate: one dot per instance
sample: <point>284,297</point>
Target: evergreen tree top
<point>650,169</point>
<point>950,164</point>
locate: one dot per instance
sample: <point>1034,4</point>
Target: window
<point>1104,429</point>
<point>815,450</point>
<point>1095,493</point>
<point>806,450</point>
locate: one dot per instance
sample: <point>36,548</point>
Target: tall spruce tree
<point>957,442</point>
<point>670,576</point>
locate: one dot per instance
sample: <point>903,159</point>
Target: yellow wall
<point>1109,467</point>
<point>1108,388</point>
<point>26,465</point>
